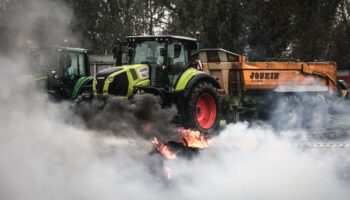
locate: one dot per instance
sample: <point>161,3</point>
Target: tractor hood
<point>101,77</point>
<point>120,81</point>
<point>106,72</point>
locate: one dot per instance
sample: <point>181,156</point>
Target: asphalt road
<point>336,129</point>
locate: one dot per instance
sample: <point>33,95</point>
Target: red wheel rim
<point>206,111</point>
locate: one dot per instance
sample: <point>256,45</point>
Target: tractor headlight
<point>110,79</point>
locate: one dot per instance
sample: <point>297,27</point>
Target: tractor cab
<point>152,64</point>
<point>58,69</point>
<point>166,56</point>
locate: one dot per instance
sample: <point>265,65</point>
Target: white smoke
<point>46,154</point>
<point>253,163</point>
<point>29,23</point>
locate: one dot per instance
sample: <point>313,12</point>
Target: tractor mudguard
<point>80,84</point>
<point>166,96</point>
<point>149,89</point>
<point>202,76</point>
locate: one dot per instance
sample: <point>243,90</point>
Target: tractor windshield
<point>72,64</point>
<point>151,52</point>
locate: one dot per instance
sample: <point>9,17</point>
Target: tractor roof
<point>58,48</point>
<point>81,50</point>
<point>161,37</point>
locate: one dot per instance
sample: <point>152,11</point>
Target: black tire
<point>200,90</point>
<point>84,96</point>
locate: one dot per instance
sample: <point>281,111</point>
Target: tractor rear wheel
<point>203,107</point>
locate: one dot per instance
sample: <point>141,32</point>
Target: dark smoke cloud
<point>144,118</point>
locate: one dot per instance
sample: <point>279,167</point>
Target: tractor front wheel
<point>203,107</point>
<point>84,96</point>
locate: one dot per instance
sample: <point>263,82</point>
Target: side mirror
<point>53,74</point>
<point>162,52</point>
<point>177,50</point>
<point>164,68</point>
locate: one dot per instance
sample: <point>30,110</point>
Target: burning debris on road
<point>189,144</point>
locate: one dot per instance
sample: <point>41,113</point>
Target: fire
<point>189,139</point>
<point>164,149</point>
<point>190,142</point>
<point>194,139</point>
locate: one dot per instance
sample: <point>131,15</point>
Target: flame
<point>194,139</point>
<point>164,149</point>
<point>189,139</point>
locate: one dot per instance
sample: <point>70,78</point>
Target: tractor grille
<point>119,86</point>
<point>101,77</point>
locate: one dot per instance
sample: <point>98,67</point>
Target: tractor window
<point>74,64</point>
<point>148,51</point>
<point>153,54</point>
<point>70,63</point>
<point>81,63</point>
<point>177,56</point>
<point>177,60</point>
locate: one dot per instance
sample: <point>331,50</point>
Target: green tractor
<point>162,65</point>
<point>62,72</point>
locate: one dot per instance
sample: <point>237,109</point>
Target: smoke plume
<point>28,23</point>
<point>144,118</point>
